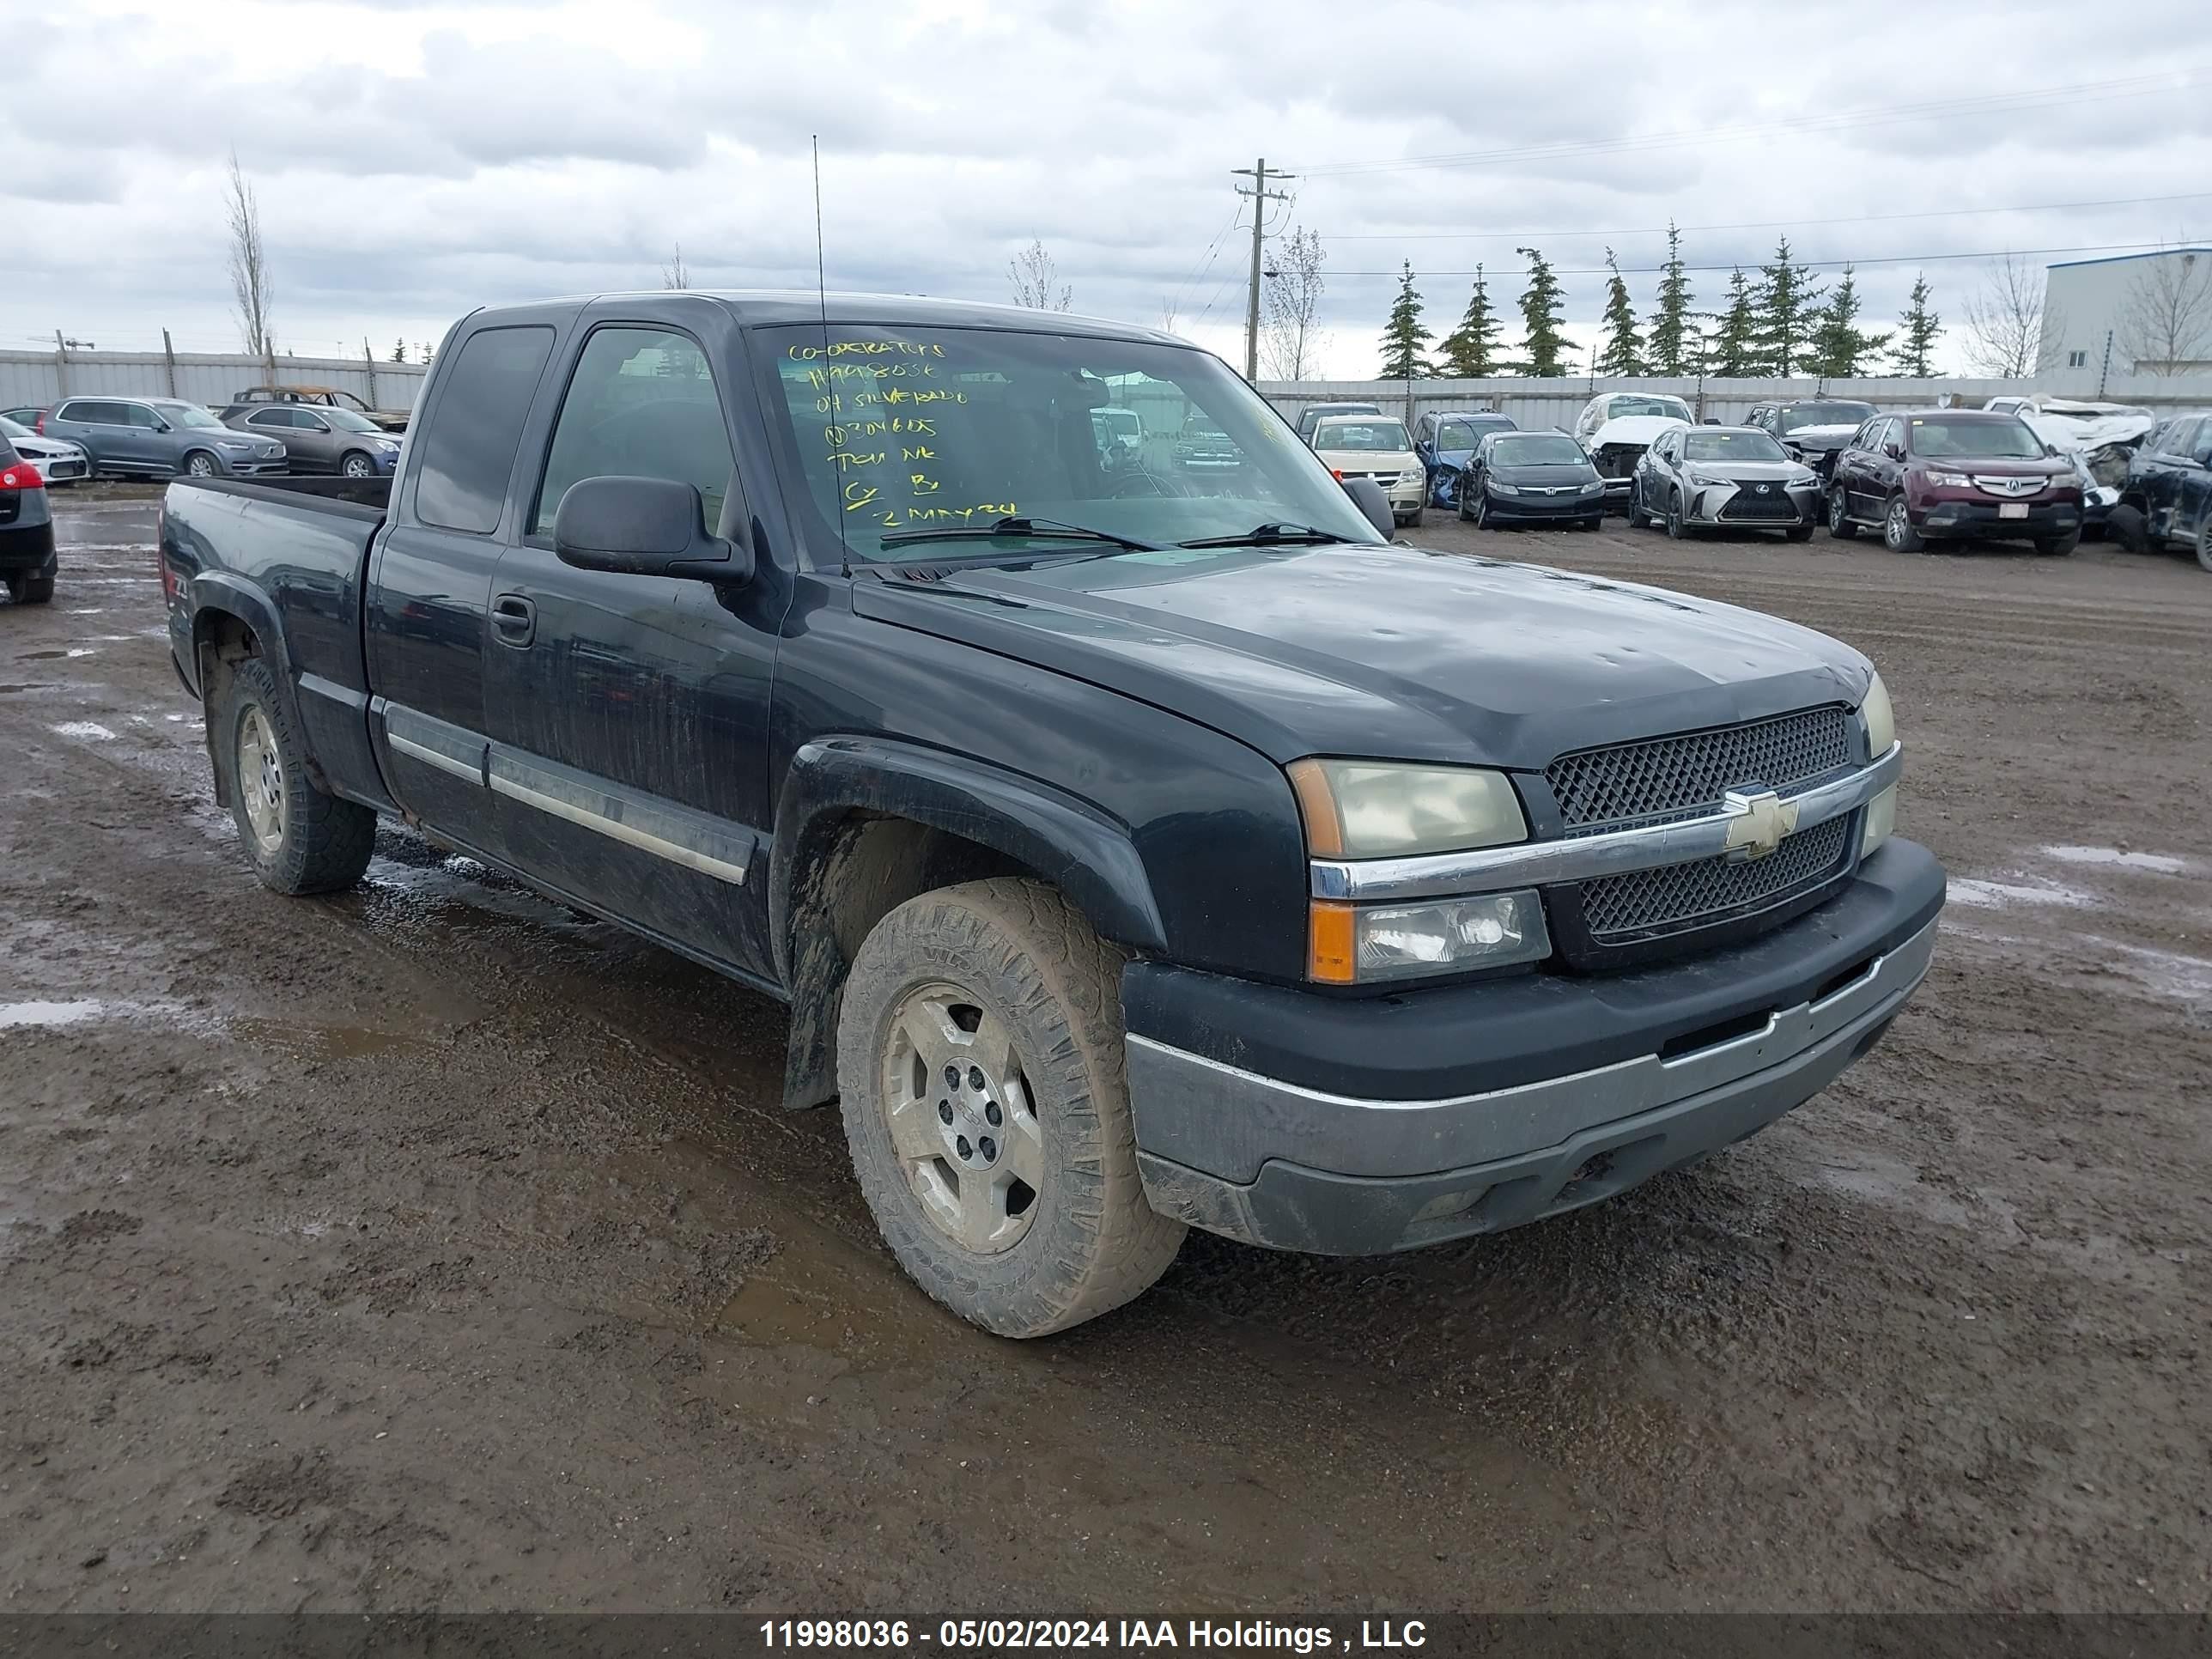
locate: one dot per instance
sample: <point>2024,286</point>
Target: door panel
<point>630,726</point>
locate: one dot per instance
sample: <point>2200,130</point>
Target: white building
<point>2115,319</point>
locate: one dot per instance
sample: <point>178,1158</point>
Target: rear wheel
<point>1840,516</point>
<point>32,589</point>
<point>297,839</point>
<point>979,1070</point>
<point>1897,531</point>
<point>2204,542</point>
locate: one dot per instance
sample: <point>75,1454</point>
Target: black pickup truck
<point>1136,847</point>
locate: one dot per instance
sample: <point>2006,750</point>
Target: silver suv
<point>161,438</point>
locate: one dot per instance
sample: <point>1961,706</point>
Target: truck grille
<point>1599,789</point>
<point>1680,896</point>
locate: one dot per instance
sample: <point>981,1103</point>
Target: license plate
<point>2012,509</point>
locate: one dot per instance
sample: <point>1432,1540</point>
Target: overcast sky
<point>415,160</point>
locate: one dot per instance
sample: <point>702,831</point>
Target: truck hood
<point>1385,651</point>
<point>1638,429</point>
<point>1370,461</point>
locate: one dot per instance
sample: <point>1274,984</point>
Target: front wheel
<point>980,1068</point>
<point>1799,532</point>
<point>1637,518</point>
<point>200,464</point>
<point>1594,523</point>
<point>1412,521</point>
<point>357,466</point>
<point>1840,516</point>
<point>2126,526</point>
<point>1897,531</point>
<point>2057,547</point>
<point>1677,527</point>
<point>297,839</point>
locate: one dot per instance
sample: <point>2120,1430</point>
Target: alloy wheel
<point>961,1121</point>
<point>261,780</point>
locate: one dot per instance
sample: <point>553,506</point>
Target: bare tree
<point>1169,314</point>
<point>2006,321</point>
<point>1291,338</point>
<point>1037,280</point>
<point>250,287</point>
<point>2166,319</point>
<point>674,274</point>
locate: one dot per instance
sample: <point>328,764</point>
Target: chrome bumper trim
<point>1583,858</point>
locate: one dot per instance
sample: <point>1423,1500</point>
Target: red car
<point>1954,475</point>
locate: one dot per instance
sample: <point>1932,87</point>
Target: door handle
<point>515,619</point>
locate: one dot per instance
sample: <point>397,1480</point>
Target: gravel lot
<point>431,1246</point>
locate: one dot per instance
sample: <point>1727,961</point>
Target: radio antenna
<point>829,381</point>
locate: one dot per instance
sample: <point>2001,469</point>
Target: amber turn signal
<point>1329,943</point>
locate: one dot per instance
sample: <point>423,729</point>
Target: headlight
<point>1704,481</point>
<point>1881,719</point>
<point>1497,488</point>
<point>1354,946</point>
<point>386,443</point>
<point>1411,475</point>
<point>1810,480</point>
<point>1880,821</point>
<point>1594,487</point>
<point>1376,810</point>
<point>231,443</point>
<point>1947,480</point>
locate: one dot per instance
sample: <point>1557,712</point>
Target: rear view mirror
<point>643,527</point>
<point>1373,503</point>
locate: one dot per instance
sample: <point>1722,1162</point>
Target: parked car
<point>1616,428</point>
<point>1313,412</point>
<point>28,560</point>
<point>1117,428</point>
<point>1531,477</point>
<point>1374,447</point>
<point>1698,476</point>
<point>2166,500</point>
<point>28,415</point>
<point>1208,457</point>
<point>320,396</point>
<point>59,463</point>
<point>324,440</point>
<point>161,438</point>
<point>1815,431</point>
<point>1445,443</point>
<point>1954,475</point>
<point>1160,860</point>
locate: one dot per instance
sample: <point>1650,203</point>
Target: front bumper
<point>63,469</point>
<point>1354,1127</point>
<point>1710,504</point>
<point>1547,507</point>
<point>1979,520</point>
<point>254,466</point>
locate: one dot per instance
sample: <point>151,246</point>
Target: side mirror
<point>161,425</point>
<point>1374,504</point>
<point>1893,449</point>
<point>643,527</point>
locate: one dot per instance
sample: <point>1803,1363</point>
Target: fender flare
<point>1086,854</point>
<point>219,590</point>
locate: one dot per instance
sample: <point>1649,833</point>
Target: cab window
<point>640,404</point>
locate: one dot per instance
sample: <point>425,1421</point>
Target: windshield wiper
<point>1042,529</point>
<point>1271,535</point>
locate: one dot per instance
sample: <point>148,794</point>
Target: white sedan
<point>58,461</point>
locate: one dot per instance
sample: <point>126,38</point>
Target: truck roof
<point>764,308</point>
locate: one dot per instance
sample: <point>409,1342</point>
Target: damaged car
<point>1695,478</point>
<point>1618,427</point>
<point>2167,498</point>
<point>1815,431</point>
<point>1446,442</point>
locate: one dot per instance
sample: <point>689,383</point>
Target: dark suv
<point>27,530</point>
<point>2167,498</point>
<point>1815,431</point>
<point>1954,475</point>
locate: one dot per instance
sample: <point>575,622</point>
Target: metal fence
<point>44,378</point>
<point>1537,405</point>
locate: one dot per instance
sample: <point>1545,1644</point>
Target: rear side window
<point>282,418</point>
<point>467,448</point>
<point>640,404</point>
<point>91,413</point>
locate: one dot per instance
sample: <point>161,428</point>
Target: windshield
<point>185,415</point>
<point>896,428</point>
<point>1465,434</point>
<point>1671,408</point>
<point>1384,435</point>
<point>1798,415</point>
<point>10,429</point>
<point>345,420</point>
<point>1536,449</point>
<point>1702,446</point>
<point>2003,439</point>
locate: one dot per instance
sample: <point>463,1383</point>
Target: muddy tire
<point>980,1071</point>
<point>297,839</point>
<point>31,590</point>
<point>2126,526</point>
<point>1840,516</point>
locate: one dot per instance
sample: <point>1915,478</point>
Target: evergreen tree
<point>1539,316</point>
<point>1783,304</point>
<point>1403,336</point>
<point>1622,350</point>
<point>1917,327</point>
<point>1841,347</point>
<point>1734,351</point>
<point>399,350</point>
<point>1471,349</point>
<point>1671,329</point>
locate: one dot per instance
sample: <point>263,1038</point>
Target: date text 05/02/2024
<point>1069,1635</point>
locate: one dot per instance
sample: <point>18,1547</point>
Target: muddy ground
<point>431,1246</point>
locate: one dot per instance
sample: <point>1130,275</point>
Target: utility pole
<point>1261,195</point>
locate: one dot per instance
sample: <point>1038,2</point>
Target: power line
<point>1837,121</point>
<point>1757,224</point>
<point>1818,264</point>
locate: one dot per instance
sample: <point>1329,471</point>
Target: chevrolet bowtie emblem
<point>1757,822</point>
